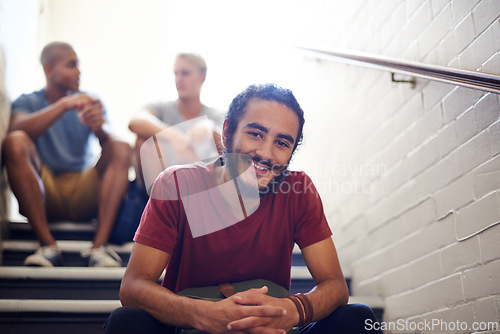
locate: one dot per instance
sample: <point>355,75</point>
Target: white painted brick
<point>395,151</point>
<point>412,6</point>
<point>485,310</point>
<point>490,243</point>
<point>417,244</point>
<point>394,281</point>
<point>398,228</point>
<point>436,31</point>
<point>350,231</point>
<point>401,200</point>
<point>433,92</point>
<point>380,138</point>
<point>466,126</point>
<point>492,65</point>
<point>494,135</point>
<point>412,52</point>
<point>423,270</point>
<point>454,63</point>
<point>444,292</point>
<point>398,18</point>
<point>462,7</point>
<point>366,288</point>
<point>438,234</point>
<point>433,178</point>
<point>487,111</point>
<point>408,249</point>
<point>398,306</point>
<point>495,30</point>
<point>438,5</point>
<point>423,157</point>
<point>454,196</point>
<point>426,126</point>
<point>408,114</point>
<point>485,13</point>
<point>445,314</point>
<point>460,255</point>
<point>432,57</point>
<point>446,49</point>
<point>478,215</point>
<point>370,266</point>
<point>487,177</point>
<point>498,307</point>
<point>471,154</point>
<point>465,313</point>
<point>464,34</point>
<point>458,102</point>
<point>482,281</point>
<point>447,138</point>
<point>418,22</point>
<point>479,51</point>
<point>394,178</point>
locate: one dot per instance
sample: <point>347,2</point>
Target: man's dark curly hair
<point>267,92</point>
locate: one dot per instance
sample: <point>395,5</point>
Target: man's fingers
<point>266,311</point>
<point>255,298</point>
<point>257,323</point>
<point>260,291</point>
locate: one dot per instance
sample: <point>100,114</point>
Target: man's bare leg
<point>113,169</point>
<point>23,170</point>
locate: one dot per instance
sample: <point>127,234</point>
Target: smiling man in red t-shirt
<point>205,234</point>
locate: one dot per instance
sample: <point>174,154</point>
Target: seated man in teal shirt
<point>48,155</point>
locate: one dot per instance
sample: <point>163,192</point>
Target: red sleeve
<point>160,219</point>
<point>311,226</point>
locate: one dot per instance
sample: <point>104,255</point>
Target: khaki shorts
<point>72,195</point>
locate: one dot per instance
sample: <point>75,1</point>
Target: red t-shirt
<point>259,246</point>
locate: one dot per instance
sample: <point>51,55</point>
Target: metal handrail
<point>471,79</point>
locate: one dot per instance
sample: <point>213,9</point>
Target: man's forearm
<point>161,303</point>
<point>102,135</point>
<point>37,123</point>
<point>327,296</point>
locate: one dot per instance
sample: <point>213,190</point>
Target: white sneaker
<point>102,257</point>
<point>45,256</point>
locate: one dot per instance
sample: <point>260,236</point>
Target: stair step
<point>15,251</point>
<point>59,306</point>
<point>64,230</point>
<point>54,316</point>
<point>83,316</point>
<point>87,283</point>
<point>60,283</point>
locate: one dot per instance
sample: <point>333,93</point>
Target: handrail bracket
<point>412,82</point>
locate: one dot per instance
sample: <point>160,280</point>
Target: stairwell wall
<point>410,178</point>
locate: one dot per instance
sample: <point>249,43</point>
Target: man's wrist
<point>293,311</point>
<point>200,308</point>
<point>63,103</point>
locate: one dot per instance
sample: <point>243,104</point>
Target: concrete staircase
<point>75,298</point>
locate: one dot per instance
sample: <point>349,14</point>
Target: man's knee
<point>120,319</point>
<point>17,145</point>
<point>121,152</point>
<point>132,320</point>
<point>358,312</point>
<point>351,318</point>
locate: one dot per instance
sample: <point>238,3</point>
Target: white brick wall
<point>424,235</point>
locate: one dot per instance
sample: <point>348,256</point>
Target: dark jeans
<point>344,320</point>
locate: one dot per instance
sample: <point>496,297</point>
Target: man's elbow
<point>125,294</point>
<point>132,125</point>
<point>344,293</point>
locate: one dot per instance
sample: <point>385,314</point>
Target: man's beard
<point>238,163</point>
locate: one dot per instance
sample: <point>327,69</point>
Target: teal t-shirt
<point>65,147</point>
